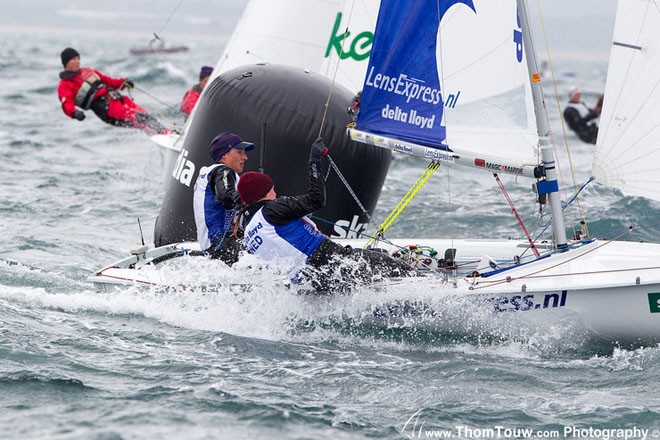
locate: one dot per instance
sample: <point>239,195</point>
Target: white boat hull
<point>576,287</point>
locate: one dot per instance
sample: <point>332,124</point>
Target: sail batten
<point>629,46</point>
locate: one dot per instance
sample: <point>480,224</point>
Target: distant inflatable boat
<point>157,49</point>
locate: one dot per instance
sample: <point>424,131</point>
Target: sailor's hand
<point>318,150</point>
<point>128,84</point>
<point>599,105</point>
<point>78,115</point>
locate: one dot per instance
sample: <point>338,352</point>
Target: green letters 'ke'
<point>360,47</point>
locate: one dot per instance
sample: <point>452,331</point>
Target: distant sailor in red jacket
<point>85,88</point>
<point>190,98</point>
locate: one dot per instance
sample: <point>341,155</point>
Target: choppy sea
<point>77,364</point>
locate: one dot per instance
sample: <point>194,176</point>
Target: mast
<point>550,185</point>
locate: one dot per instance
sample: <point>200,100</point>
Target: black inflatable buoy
<point>289,103</point>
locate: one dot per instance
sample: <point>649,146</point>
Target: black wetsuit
<point>580,119</point>
<point>330,267</point>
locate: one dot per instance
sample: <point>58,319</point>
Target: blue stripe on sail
<point>401,97</point>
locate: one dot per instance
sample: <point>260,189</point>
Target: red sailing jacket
<point>71,82</point>
<point>190,99</point>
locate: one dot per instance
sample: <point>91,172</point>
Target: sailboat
<point>456,82</point>
<point>437,102</point>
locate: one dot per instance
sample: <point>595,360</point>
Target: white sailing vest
<point>581,108</point>
<point>290,244</point>
<point>211,218</point>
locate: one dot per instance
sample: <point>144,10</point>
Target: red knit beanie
<point>253,186</point>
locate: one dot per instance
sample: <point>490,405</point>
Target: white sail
<point>628,148</point>
<point>305,34</point>
<point>483,67</point>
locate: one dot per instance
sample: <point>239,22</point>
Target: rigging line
<point>421,180</point>
<point>570,200</point>
<point>154,111</point>
<point>359,233</point>
<point>405,200</point>
<point>515,212</point>
<point>563,124</point>
<point>170,17</point>
<point>171,121</point>
<point>169,107</point>
<point>334,76</point>
<point>404,248</point>
<point>350,190</point>
<point>157,37</point>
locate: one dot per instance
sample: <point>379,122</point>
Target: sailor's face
<point>73,65</point>
<point>235,159</point>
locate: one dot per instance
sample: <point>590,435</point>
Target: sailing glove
<point>128,84</point>
<point>78,115</point>
<point>318,150</point>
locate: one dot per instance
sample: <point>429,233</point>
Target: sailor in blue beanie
<point>215,197</point>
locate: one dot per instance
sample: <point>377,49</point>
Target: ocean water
<point>77,364</point>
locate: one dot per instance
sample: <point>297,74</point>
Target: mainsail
<point>452,75</point>
<point>628,147</point>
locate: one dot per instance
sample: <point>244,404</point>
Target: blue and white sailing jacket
<point>291,244</point>
<point>214,199</point>
<point>279,230</point>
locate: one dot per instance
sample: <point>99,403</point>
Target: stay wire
<point>169,107</point>
<point>153,109</point>
<point>515,213</point>
<point>574,197</point>
<point>350,190</point>
<point>563,125</point>
<point>169,18</point>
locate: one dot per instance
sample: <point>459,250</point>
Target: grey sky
<point>581,27</point>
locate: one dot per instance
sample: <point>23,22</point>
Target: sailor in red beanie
<point>84,88</point>
<point>215,197</point>
<point>277,228</point>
